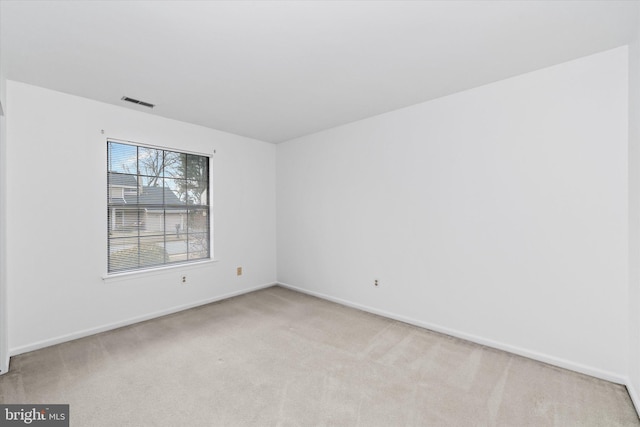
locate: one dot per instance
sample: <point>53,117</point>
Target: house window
<point>158,207</point>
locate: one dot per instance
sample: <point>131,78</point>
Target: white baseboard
<point>635,397</point>
<point>563,363</point>
<point>541,357</point>
<point>92,331</point>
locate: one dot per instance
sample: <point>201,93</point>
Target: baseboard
<point>92,331</point>
<point>562,363</point>
<point>541,357</point>
<point>635,397</point>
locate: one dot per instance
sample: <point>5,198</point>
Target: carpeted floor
<point>280,358</point>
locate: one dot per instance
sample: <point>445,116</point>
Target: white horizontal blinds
<point>158,203</point>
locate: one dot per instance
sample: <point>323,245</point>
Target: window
<point>158,207</point>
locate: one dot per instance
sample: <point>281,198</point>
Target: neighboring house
<point>146,208</point>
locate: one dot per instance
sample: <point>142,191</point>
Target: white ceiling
<point>278,70</point>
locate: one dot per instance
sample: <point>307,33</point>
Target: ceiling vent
<point>136,101</point>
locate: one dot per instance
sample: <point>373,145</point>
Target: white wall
<point>4,350</point>
<point>57,243</point>
<point>497,214</point>
<point>634,219</point>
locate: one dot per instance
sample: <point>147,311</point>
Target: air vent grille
<point>137,101</point>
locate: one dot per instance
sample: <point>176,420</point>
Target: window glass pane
<point>198,245</point>
<point>157,207</point>
<point>149,181</point>
<point>197,192</point>
<point>122,158</point>
<point>175,222</point>
<point>204,195</point>
<point>174,164</point>
<point>122,188</point>
<point>152,251</point>
<point>127,220</point>
<point>122,181</point>
<point>197,174</point>
<point>152,222</point>
<point>197,167</point>
<point>152,191</point>
<point>111,219</point>
<point>176,248</point>
<point>123,254</point>
<point>150,162</point>
<point>198,220</point>
<point>175,191</point>
<point>123,221</point>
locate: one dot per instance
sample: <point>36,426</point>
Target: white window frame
<point>162,268</point>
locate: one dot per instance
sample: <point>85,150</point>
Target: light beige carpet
<point>280,358</point>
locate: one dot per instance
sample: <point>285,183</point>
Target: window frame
<point>163,267</point>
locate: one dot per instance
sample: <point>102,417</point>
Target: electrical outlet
<point>375,282</point>
<point>239,271</point>
<point>184,279</point>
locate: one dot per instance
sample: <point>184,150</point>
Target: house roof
<point>154,196</point>
<point>122,179</point>
<point>150,195</point>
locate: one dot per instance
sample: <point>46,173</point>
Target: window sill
<point>137,274</point>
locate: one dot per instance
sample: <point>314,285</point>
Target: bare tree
<point>153,164</point>
<point>195,173</point>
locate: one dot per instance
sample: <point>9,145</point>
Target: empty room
<point>320,213</point>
